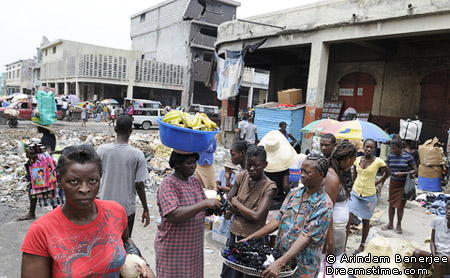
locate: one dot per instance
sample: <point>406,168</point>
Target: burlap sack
<point>430,154</point>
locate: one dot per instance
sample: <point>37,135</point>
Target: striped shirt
<point>400,163</point>
<point>250,195</point>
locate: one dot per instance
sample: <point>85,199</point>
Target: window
<point>142,18</point>
<point>54,49</point>
<point>18,73</point>
<point>46,52</point>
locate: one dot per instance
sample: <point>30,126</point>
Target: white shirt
<point>441,236</point>
<point>242,124</point>
<point>250,133</point>
<point>64,105</point>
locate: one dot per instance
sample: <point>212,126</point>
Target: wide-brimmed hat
<point>379,247</point>
<point>48,127</point>
<point>280,153</point>
<point>228,164</point>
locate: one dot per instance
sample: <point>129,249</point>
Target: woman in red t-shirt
<point>83,237</point>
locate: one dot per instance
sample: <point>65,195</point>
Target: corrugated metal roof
<point>268,116</point>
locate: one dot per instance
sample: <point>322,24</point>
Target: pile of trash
<point>12,170</point>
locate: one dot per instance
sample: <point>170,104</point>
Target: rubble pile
<point>12,157</point>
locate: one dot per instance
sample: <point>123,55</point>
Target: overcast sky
<point>100,22</point>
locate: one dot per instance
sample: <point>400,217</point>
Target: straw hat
<point>47,127</point>
<point>280,153</point>
<point>379,246</point>
<point>228,164</point>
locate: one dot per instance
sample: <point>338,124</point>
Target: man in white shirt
<point>241,126</point>
<point>250,133</point>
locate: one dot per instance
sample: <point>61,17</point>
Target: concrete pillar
<point>77,90</point>
<point>130,91</point>
<point>56,88</point>
<point>250,97</point>
<point>318,66</point>
<point>66,88</point>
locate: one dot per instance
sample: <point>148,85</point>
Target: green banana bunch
<point>200,121</point>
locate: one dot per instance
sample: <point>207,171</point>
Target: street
<point>415,223</point>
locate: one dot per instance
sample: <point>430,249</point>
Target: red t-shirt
<point>93,250</point>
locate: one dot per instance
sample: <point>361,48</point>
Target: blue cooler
<point>429,184</point>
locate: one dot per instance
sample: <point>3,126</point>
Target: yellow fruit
<point>198,127</point>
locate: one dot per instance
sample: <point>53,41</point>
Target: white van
<point>146,117</point>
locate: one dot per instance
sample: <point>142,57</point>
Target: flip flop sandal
<point>385,228</point>
<point>26,217</point>
<point>399,231</point>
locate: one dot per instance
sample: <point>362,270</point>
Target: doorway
<point>356,90</point>
<point>434,109</point>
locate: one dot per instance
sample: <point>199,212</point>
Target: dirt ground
<point>415,224</point>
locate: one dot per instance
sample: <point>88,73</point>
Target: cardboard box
<point>291,96</point>
<point>430,172</point>
<point>209,223</point>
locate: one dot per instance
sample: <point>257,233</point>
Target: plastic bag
<point>409,191</point>
<point>46,109</point>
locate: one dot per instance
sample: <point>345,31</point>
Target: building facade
<point>18,77</point>
<point>183,32</point>
<point>389,59</point>
<point>95,72</point>
<point>2,84</point>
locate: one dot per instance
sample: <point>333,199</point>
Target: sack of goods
<point>430,169</point>
<point>410,130</point>
<point>45,112</point>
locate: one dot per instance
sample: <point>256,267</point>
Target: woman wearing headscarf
<point>181,203</point>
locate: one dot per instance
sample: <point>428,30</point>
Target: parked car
<point>143,103</point>
<point>146,117</point>
<point>26,109</point>
<point>212,112</point>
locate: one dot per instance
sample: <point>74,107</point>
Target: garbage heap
<point>13,183</point>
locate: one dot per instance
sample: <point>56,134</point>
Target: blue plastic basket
<point>185,139</point>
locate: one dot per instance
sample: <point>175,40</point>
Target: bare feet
<point>28,216</point>
<point>359,250</point>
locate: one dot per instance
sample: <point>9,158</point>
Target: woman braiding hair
<point>341,160</point>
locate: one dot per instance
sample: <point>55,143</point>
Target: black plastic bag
<point>409,190</point>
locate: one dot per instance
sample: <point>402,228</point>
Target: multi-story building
<point>2,84</point>
<point>96,72</point>
<point>183,32</point>
<point>18,77</point>
<point>389,60</point>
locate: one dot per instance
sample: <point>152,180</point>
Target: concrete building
<point>388,58</point>
<point>96,72</point>
<point>2,84</point>
<point>183,32</point>
<point>18,77</point>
